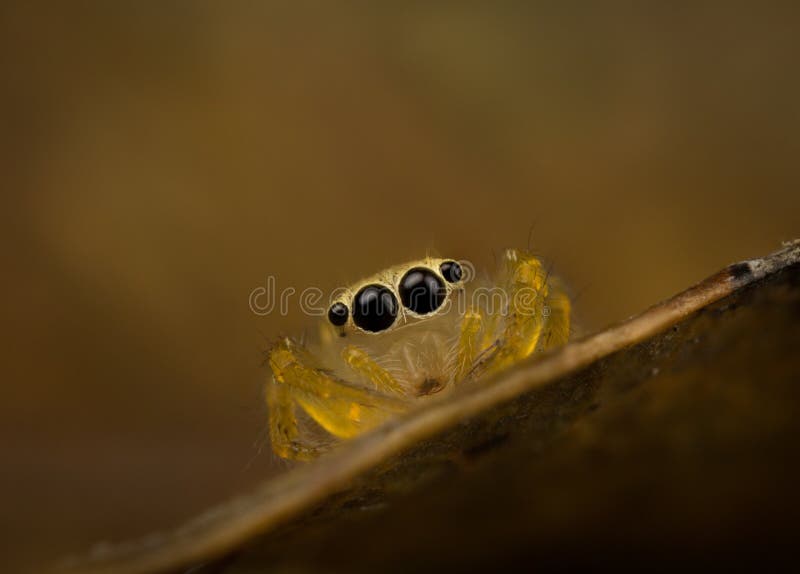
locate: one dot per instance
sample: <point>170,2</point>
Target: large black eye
<point>337,314</point>
<point>374,308</point>
<point>451,271</point>
<point>422,291</point>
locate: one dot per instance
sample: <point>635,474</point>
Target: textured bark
<point>670,435</point>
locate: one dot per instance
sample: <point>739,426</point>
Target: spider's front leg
<point>469,339</point>
<point>341,409</point>
<point>283,430</point>
<point>535,316</point>
<point>557,320</point>
<point>362,364</point>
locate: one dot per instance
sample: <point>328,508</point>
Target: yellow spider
<point>406,333</point>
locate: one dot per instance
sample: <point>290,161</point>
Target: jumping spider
<point>409,332</point>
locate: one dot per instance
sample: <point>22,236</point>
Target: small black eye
<point>374,308</point>
<point>422,291</point>
<point>337,314</point>
<point>451,271</point>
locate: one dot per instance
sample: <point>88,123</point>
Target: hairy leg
<point>340,408</point>
<point>360,362</point>
<point>469,340</point>
<point>536,314</point>
<point>557,324</point>
<point>283,430</point>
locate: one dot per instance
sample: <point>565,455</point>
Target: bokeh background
<point>160,160</point>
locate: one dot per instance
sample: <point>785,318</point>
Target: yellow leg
<point>358,360</point>
<point>557,324</point>
<point>468,341</point>
<point>342,410</point>
<point>283,431</point>
<point>536,317</point>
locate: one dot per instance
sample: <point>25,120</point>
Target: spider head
<point>410,292</point>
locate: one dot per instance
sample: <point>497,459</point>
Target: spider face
<point>394,297</point>
<point>403,334</point>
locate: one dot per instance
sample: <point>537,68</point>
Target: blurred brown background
<point>160,161</point>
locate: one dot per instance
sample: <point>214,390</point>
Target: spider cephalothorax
<point>410,331</point>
